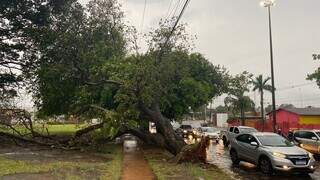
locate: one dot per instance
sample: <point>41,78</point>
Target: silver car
<point>308,140</point>
<point>270,152</point>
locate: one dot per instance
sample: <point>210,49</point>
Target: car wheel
<point>234,157</point>
<point>265,165</point>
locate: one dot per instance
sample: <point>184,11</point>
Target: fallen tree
<point>86,59</point>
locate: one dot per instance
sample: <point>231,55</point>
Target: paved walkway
<point>134,166</point>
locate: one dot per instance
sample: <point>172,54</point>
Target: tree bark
<point>242,116</point>
<point>173,143</point>
<point>88,129</point>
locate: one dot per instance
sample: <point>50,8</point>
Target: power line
<point>173,28</point>
<point>143,15</point>
<point>167,14</point>
<point>177,7</point>
<point>174,9</point>
<point>295,86</point>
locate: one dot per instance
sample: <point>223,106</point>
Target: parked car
<point>308,140</point>
<point>270,151</point>
<point>233,131</point>
<point>211,132</point>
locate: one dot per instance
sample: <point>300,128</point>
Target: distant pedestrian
<point>279,132</point>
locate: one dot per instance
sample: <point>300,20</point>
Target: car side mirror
<point>314,138</point>
<point>254,144</point>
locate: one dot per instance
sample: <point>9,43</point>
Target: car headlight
<point>185,131</point>
<point>279,155</point>
<point>310,155</point>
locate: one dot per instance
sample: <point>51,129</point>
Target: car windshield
<point>211,130</point>
<point>274,141</point>
<point>248,130</point>
<point>318,133</point>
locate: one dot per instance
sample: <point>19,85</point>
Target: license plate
<point>301,162</point>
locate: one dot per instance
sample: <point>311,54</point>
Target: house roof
<point>309,111</point>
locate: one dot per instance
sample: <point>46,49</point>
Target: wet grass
<point>60,129</point>
<point>64,169</point>
<point>158,160</point>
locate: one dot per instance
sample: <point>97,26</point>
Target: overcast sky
<point>234,33</point>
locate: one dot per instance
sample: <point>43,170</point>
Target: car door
<point>234,134</point>
<point>250,151</point>
<point>312,140</point>
<point>253,151</point>
<point>241,142</point>
<point>308,140</point>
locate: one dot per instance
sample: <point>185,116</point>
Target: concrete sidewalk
<point>134,166</point>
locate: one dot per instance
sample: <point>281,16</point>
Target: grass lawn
<point>158,160</point>
<point>66,168</point>
<point>61,129</point>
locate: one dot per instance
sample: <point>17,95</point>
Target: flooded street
<point>219,155</point>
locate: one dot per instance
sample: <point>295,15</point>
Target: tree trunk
<point>173,142</point>
<point>242,116</point>
<point>88,129</point>
<point>262,109</point>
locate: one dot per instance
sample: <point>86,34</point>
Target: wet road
<point>219,155</point>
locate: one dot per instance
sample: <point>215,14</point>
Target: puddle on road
<point>219,155</point>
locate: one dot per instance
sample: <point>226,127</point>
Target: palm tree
<point>239,104</point>
<point>260,84</point>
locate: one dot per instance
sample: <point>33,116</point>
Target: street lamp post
<point>268,4</point>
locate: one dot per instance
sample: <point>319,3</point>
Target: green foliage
<point>86,69</point>
<point>315,76</point>
<point>237,102</point>
<point>22,22</point>
<point>222,109</point>
<point>260,84</point>
<point>71,73</point>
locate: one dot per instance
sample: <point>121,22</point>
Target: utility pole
<point>268,4</point>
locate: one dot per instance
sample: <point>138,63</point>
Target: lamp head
<point>267,3</point>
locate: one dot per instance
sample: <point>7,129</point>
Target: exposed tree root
<point>196,153</point>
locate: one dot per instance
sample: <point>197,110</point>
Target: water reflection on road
<point>219,155</point>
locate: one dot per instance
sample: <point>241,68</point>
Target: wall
<point>222,119</point>
<point>285,121</point>
<point>309,122</point>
